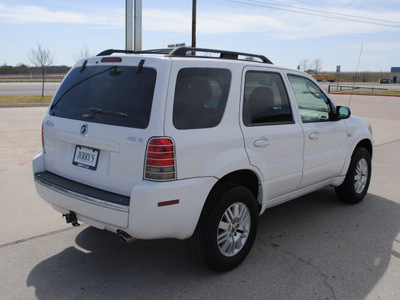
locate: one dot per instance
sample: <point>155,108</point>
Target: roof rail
<point>195,52</point>
<point>191,52</point>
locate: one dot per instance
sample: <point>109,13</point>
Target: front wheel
<point>227,228</point>
<point>355,186</point>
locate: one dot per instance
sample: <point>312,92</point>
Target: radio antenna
<point>355,77</point>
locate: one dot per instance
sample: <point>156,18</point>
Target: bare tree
<point>41,58</point>
<point>317,65</point>
<point>304,65</point>
<point>84,52</point>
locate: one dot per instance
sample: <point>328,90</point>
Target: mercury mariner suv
<point>194,144</point>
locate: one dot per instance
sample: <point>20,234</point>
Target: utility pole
<point>133,25</point>
<point>194,23</point>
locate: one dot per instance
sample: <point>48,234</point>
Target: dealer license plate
<point>86,157</point>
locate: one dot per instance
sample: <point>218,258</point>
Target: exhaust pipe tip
<point>124,237</point>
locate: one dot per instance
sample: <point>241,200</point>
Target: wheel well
<point>245,178</point>
<point>367,144</point>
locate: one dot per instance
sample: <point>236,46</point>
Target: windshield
<point>115,95</point>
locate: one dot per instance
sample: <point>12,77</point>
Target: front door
<point>324,137</point>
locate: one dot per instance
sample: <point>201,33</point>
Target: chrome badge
<point>84,129</point>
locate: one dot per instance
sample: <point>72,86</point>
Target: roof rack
<point>195,52</point>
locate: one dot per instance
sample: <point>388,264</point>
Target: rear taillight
<point>160,160</point>
<point>43,150</point>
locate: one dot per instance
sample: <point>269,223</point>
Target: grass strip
<point>368,92</point>
<point>5,99</point>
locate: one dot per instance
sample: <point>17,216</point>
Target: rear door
<point>274,141</point>
<point>100,121</point>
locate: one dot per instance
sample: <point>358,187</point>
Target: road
<point>27,88</point>
<point>313,247</point>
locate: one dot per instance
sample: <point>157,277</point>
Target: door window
<point>314,106</point>
<point>265,100</point>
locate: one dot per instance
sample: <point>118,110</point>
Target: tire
<point>227,228</point>
<point>355,186</point>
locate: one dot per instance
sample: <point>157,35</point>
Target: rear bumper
<point>153,210</point>
<point>82,192</point>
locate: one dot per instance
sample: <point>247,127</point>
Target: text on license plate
<point>86,157</point>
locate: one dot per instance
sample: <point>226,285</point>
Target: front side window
<point>265,100</point>
<point>200,97</point>
<point>314,106</point>
<point>114,95</point>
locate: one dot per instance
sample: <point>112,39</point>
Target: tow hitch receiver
<point>71,218</point>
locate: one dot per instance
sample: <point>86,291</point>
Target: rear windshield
<point>115,95</point>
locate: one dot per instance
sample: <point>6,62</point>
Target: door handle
<point>263,142</point>
<point>314,136</point>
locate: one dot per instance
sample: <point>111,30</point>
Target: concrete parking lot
<point>314,247</point>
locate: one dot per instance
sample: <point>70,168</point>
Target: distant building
<point>395,74</point>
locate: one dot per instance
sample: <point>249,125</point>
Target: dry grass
<point>24,99</point>
<point>369,92</point>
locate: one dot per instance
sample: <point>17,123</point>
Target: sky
<point>349,33</point>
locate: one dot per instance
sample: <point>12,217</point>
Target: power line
<point>322,11</point>
<point>319,13</point>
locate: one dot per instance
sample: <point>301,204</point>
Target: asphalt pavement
<point>313,247</point>
<point>28,88</point>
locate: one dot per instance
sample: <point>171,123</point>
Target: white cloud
<point>277,24</point>
<point>239,23</point>
<point>384,46</point>
<point>26,14</point>
<point>282,25</point>
<point>207,23</point>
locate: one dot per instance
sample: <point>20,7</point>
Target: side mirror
<point>343,112</point>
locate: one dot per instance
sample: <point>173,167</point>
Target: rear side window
<point>200,97</point>
<point>265,100</point>
<point>114,95</point>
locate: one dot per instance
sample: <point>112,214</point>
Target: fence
<point>32,76</point>
<point>368,89</point>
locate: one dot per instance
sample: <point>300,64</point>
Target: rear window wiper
<point>114,69</point>
<point>96,110</point>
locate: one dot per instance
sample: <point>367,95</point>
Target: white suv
<point>194,144</point>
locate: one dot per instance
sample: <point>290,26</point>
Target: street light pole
<point>129,25</point>
<point>138,25</point>
<point>133,25</point>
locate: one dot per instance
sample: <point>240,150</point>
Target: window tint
<point>107,94</point>
<point>265,99</point>
<point>200,97</point>
<point>313,104</point>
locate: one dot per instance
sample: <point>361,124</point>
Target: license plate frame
<point>86,157</point>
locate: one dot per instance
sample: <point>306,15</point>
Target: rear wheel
<point>355,186</point>
<point>227,228</point>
